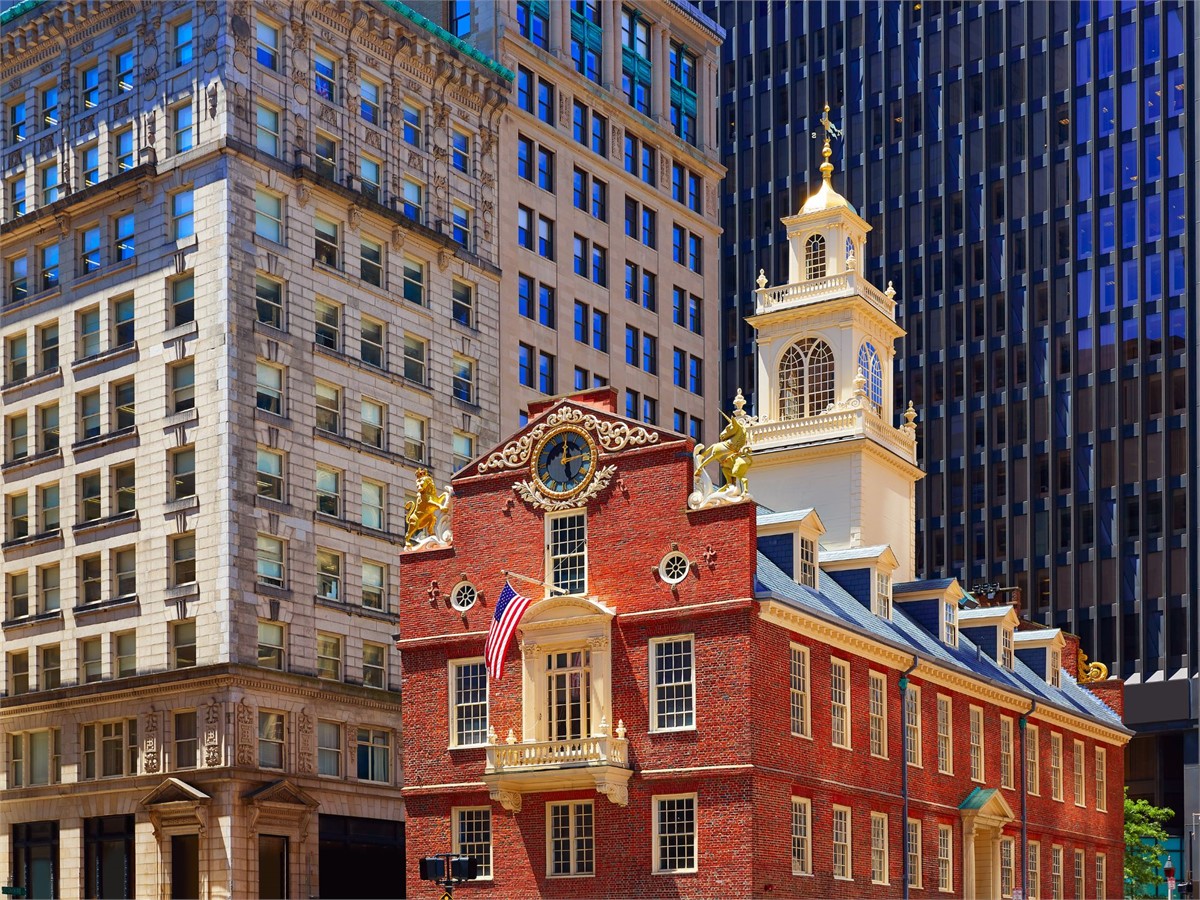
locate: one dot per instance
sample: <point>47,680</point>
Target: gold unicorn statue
<point>732,452</point>
<point>422,514</point>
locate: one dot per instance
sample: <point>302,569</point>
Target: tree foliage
<point>1144,851</point>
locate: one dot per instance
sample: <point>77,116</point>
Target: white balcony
<point>515,768</point>
<point>803,293</point>
<point>843,421</point>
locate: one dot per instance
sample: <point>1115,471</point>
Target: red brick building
<point>709,698</point>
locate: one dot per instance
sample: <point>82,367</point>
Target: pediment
<point>282,792</point>
<point>987,803</point>
<point>611,432</point>
<point>558,610</point>
<point>172,790</point>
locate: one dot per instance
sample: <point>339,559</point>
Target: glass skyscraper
<point>1030,171</point>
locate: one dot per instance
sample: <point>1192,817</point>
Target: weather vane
<point>831,130</point>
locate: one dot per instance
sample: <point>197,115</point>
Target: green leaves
<point>1144,851</point>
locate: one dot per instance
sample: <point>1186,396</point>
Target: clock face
<point>564,462</point>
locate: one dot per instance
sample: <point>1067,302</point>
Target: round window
<point>674,567</point>
<point>464,596</point>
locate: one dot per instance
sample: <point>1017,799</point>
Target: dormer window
<point>883,596</point>
<point>950,623</point>
<point>566,549</point>
<point>814,257</point>
<point>1006,648</point>
<point>1054,667</point>
<point>805,379</point>
<point>808,562</point>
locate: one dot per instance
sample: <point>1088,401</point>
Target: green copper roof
<point>978,798</point>
<point>402,8</point>
<point>438,31</point>
<point>18,9</point>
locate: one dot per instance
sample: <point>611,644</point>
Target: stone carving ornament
<point>612,436</point>
<point>245,734</point>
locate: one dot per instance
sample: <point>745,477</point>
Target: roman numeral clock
<point>564,462</point>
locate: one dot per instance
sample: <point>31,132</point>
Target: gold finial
<point>1090,672</point>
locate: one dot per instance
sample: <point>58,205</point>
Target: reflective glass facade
<point>1030,173</point>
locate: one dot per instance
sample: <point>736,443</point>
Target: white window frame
<point>799,692</point>
<point>912,722</point>
<point>657,690</point>
<point>1101,876</point>
<point>1007,864</point>
<point>1006,647</point>
<point>945,858</point>
<point>978,754</point>
<point>552,556</point>
<point>801,836</point>
<point>335,751</point>
<point>1056,871</point>
<point>877,713</point>
<point>1080,775</point>
<point>1006,754</point>
<point>883,595</point>
<point>879,848</point>
<point>1101,779</point>
<point>1033,871</point>
<point>456,823</point>
<point>573,838</point>
<point>1056,767</point>
<point>656,846</point>
<point>916,875</point>
<point>945,726</point>
<point>1033,761</point>
<point>839,703</point>
<point>950,622</point>
<point>842,817</point>
<point>455,706</point>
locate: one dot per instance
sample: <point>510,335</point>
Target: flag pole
<point>554,590</point>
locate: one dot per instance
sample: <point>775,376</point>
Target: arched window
<point>805,379</point>
<point>849,248</point>
<point>872,371</point>
<point>814,257</point>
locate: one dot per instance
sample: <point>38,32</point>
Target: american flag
<point>509,609</point>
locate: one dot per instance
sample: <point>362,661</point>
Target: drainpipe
<point>1025,808</point>
<point>904,770</point>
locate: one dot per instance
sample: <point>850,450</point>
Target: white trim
<point>914,746</point>
<point>1079,774</point>
<point>1033,759</point>
<point>571,804</point>
<point>877,817</point>
<point>452,666</point>
<point>697,769</point>
<point>548,562</point>
<point>916,877</point>
<point>455,837</point>
<point>849,876</point>
<point>975,715</point>
<point>949,734</point>
<point>805,862</point>
<point>948,832</point>
<point>805,658</point>
<point>842,665</point>
<point>877,679</point>
<point>1056,771</point>
<point>653,686</point>
<point>656,801</point>
<point>1101,779</point>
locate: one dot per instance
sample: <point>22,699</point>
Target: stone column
<point>560,29</point>
<point>660,83</point>
<point>996,862</point>
<point>610,62</point>
<point>968,867</point>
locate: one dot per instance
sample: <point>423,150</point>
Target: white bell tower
<point>826,345</point>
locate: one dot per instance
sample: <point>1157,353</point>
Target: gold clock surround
<point>536,455</point>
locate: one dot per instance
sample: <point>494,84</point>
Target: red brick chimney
<point>1112,692</point>
<point>1070,653</point>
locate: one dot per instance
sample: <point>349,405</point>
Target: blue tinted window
<point>1108,229</point>
<point>1083,181</point>
<point>1154,333</point>
<point>1177,325</point>
<point>1128,48</point>
<point>1104,122</point>
<point>1129,283</point>
<point>1108,288</point>
<point>1175,92</point>
<point>1153,98</point>
<point>1151,50</point>
<point>1104,53</point>
<point>1083,62</point>
<point>1129,218</point>
<point>1175,273</point>
<point>1083,293</point>
<point>1175,32</point>
<point>1104,183</point>
<point>1129,106</point>
<point>1175,220</point>
<point>1083,240</point>
<point>1129,172</point>
<point>1083,120</point>
<point>1153,277</point>
<point>1153,217</point>
<point>1153,159</point>
<point>1174,153</point>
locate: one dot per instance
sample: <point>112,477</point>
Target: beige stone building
<point>608,201</point>
<point>251,282</point>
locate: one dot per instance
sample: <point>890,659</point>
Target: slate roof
<point>767,517</point>
<point>854,553</point>
<point>832,603</point>
<point>917,587</point>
